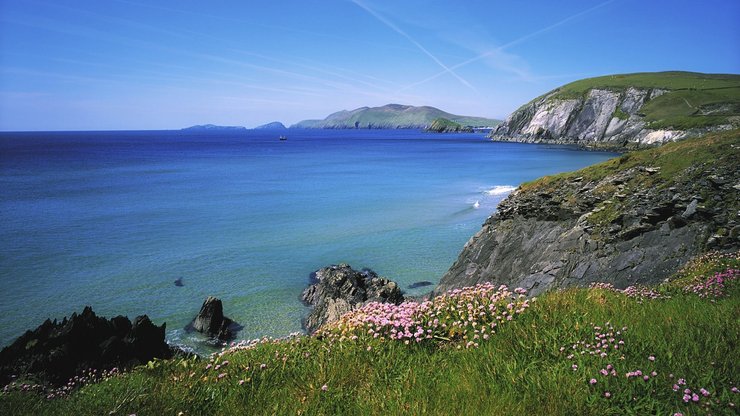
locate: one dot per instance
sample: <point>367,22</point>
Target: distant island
<point>443,125</point>
<point>392,116</point>
<point>213,127</point>
<point>275,125</point>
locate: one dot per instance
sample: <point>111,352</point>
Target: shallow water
<point>111,219</point>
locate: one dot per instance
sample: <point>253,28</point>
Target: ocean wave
<point>500,190</point>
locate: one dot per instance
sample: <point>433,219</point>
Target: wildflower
<point>263,366</point>
<point>592,381</point>
<point>574,367</point>
<point>734,390</point>
<point>607,394</point>
<point>651,358</point>
<point>695,397</point>
<point>324,387</point>
<point>704,392</point>
<point>241,382</point>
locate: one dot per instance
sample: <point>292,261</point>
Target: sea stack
<point>212,322</point>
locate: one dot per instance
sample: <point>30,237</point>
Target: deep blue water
<point>111,219</point>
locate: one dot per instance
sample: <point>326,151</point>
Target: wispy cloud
<point>499,56</point>
<point>415,43</point>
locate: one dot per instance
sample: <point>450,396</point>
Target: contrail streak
<point>417,44</point>
<point>508,45</point>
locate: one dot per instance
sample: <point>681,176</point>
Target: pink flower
<point>592,381</point>
<point>704,392</point>
<point>241,382</point>
<point>651,358</point>
<point>324,387</point>
<point>607,394</point>
<point>263,366</point>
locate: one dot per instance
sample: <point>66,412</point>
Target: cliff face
<point>601,117</point>
<point>609,112</point>
<point>632,220</point>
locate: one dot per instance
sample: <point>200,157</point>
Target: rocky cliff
<point>632,220</point>
<point>631,111</point>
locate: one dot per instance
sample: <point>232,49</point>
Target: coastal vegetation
<point>667,349</point>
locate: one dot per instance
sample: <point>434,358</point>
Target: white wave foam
<point>476,205</point>
<point>500,190</point>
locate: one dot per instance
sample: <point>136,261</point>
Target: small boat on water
<point>283,138</point>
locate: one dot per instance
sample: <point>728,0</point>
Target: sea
<point>111,219</point>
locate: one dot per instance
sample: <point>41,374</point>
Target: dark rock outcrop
<point>56,351</point>
<point>621,222</point>
<point>340,289</point>
<point>212,322</point>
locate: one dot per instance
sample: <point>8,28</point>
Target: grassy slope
<point>519,370</point>
<point>695,99</point>
<point>716,149</point>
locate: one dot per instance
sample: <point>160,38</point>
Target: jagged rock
<point>212,322</point>
<point>691,209</point>
<point>340,289</point>
<point>642,235</point>
<point>54,352</point>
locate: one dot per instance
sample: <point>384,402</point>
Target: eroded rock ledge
<point>339,289</point>
<point>635,225</point>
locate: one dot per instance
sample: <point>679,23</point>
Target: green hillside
<point>392,116</point>
<point>693,99</point>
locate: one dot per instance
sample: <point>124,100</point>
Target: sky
<point>147,64</point>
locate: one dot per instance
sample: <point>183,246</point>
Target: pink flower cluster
<point>470,314</point>
<point>89,376</point>
<point>641,293</point>
<point>714,286</point>
<point>607,341</point>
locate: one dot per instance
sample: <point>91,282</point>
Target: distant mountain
<point>275,125</point>
<point>392,116</point>
<point>213,127</point>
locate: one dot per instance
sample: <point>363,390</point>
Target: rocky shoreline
<point>632,220</point>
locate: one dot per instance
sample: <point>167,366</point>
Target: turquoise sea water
<point>111,219</point>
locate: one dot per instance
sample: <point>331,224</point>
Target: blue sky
<point>145,64</point>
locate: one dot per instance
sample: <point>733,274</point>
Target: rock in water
<point>55,352</point>
<point>420,284</point>
<point>340,289</point>
<point>212,322</point>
